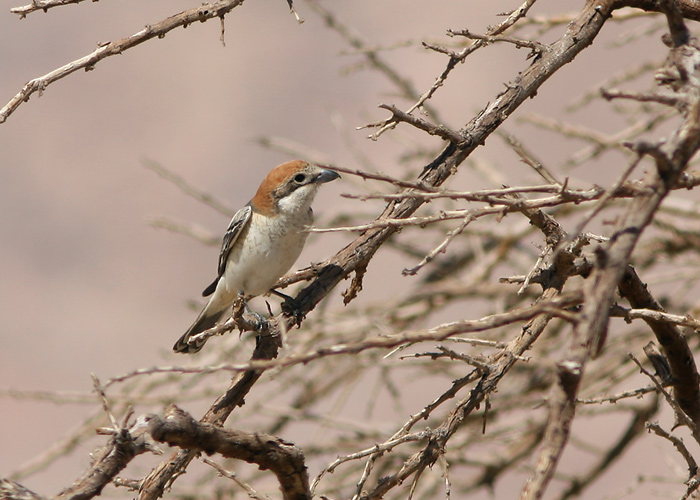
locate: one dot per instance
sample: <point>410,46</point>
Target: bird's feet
<point>261,322</point>
<point>291,308</point>
<point>247,319</point>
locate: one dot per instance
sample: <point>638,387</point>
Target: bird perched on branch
<point>261,243</point>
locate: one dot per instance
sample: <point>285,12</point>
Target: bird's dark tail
<point>206,320</point>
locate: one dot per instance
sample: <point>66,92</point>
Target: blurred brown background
<point>86,284</point>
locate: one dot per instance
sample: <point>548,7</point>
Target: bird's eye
<point>299,178</point>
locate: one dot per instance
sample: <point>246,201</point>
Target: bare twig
<point>678,444</point>
<point>188,188</point>
<point>681,416</point>
<point>555,306</point>
<point>250,491</point>
<point>203,13</point>
<point>454,59</point>
<point>40,5</point>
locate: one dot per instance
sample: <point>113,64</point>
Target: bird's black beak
<point>327,175</point>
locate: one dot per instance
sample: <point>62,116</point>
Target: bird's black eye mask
<point>299,180</point>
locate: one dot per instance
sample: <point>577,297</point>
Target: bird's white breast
<point>265,251</point>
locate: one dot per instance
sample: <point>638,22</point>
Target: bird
<point>262,242</point>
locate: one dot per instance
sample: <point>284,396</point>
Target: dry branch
<point>562,257</point>
<point>109,460</point>
<point>285,460</point>
<point>203,13</point>
<point>684,372</point>
<point>155,483</point>
<point>613,257</point>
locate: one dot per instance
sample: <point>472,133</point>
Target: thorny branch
<point>612,257</point>
<point>202,14</point>
<point>286,461</point>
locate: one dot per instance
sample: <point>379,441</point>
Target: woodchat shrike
<point>262,242</point>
